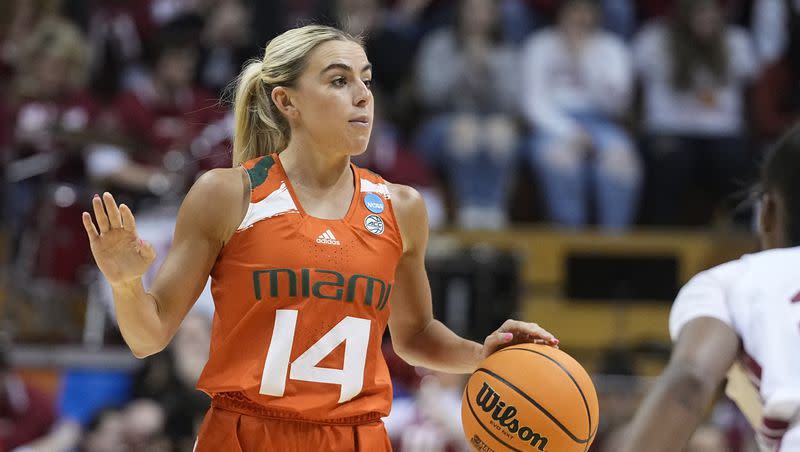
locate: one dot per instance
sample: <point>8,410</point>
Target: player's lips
<point>360,121</point>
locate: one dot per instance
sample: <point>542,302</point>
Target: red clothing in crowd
<point>775,100</point>
<point>161,125</point>
<point>25,413</point>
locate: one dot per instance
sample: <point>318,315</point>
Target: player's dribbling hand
<point>515,332</point>
<point>118,251</point>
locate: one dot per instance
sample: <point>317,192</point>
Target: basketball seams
<point>575,382</point>
<point>536,404</point>
<point>589,444</point>
<point>478,420</point>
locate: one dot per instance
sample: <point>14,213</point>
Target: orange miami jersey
<point>302,304</point>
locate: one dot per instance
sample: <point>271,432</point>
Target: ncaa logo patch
<point>374,203</point>
<point>374,224</point>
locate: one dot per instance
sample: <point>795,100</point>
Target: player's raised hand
<point>117,249</point>
<point>516,332</point>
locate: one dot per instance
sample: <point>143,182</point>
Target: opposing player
<point>741,318</point>
<point>310,258</point>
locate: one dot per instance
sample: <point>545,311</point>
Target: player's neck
<point>313,167</point>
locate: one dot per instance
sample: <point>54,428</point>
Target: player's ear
<point>282,97</point>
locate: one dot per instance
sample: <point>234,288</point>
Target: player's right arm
<point>208,217</point>
<point>705,350</point>
<point>706,345</point>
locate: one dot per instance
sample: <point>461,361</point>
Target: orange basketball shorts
<point>230,431</point>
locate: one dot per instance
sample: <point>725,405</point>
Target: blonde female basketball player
<point>741,318</point>
<point>310,258</point>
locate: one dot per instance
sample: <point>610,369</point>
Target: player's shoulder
<point>773,260</point>
<point>405,200</point>
<point>220,184</point>
<point>758,267</point>
<point>412,216</point>
<point>216,199</point>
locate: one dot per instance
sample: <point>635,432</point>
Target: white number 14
<point>353,331</point>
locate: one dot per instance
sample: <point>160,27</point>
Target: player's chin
<point>357,145</point>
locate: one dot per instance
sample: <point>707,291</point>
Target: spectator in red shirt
<point>49,126</point>
<point>176,127</point>
<point>225,45</point>
<point>776,30</point>
<point>25,413</point>
<point>776,99</point>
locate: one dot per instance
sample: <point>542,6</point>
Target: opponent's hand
<point>515,332</point>
<point>117,249</point>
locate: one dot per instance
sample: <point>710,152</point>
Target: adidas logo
<point>328,238</point>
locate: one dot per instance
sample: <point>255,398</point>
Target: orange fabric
<point>315,273</point>
<point>229,431</point>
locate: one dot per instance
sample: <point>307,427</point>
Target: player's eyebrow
<point>345,67</point>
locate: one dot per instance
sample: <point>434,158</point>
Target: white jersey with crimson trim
<point>758,296</point>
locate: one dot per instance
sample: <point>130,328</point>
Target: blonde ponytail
<point>259,127</point>
<point>256,130</point>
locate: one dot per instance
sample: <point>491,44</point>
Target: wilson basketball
<point>530,397</point>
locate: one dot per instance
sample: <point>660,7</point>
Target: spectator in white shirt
<point>694,71</point>
<point>466,79</point>
<point>577,82</point>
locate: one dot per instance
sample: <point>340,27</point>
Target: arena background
<point>575,175</point>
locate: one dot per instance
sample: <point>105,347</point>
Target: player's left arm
<point>417,337</point>
<point>705,350</point>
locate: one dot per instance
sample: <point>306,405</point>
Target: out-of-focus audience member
<point>431,419</point>
<point>466,78</point>
<point>577,82</point>
<point>163,118</point>
<point>17,19</point>
<point>118,32</point>
<point>104,433</point>
<point>50,109</point>
<point>50,116</point>
<point>25,412</point>
<point>169,379</point>
<point>139,426</point>
<point>225,45</point>
<point>694,70</point>
<point>776,98</point>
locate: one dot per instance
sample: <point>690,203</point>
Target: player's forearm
<point>437,347</point>
<point>669,414</point>
<point>138,319</point>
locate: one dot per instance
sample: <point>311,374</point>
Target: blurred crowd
<point>574,113</point>
<point>607,113</point>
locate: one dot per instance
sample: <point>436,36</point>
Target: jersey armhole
<point>248,186</point>
<point>394,220</point>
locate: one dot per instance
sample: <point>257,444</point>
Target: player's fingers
<point>128,222</point>
<point>112,210</point>
<point>497,340</point>
<point>524,331</point>
<point>100,214</point>
<point>88,224</point>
